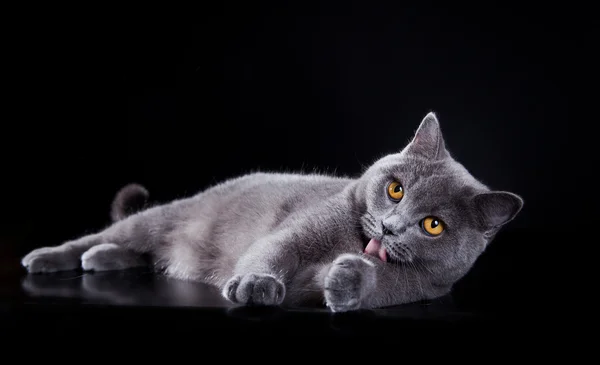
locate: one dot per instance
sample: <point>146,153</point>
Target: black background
<point>178,106</point>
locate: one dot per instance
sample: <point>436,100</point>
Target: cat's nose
<point>392,228</point>
<point>385,230</point>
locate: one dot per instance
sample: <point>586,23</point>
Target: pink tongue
<point>376,249</point>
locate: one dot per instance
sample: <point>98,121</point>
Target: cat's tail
<point>129,200</point>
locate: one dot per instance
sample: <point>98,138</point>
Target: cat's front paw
<point>254,289</point>
<point>50,259</point>
<point>349,280</point>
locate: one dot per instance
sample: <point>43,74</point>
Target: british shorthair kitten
<point>406,230</point>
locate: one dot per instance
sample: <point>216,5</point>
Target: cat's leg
<point>119,246</point>
<point>87,253</point>
<point>260,275</point>
<point>64,257</point>
<point>355,281</point>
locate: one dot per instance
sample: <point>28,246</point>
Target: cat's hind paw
<point>254,289</point>
<point>49,260</point>
<point>109,256</point>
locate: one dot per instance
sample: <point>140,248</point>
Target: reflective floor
<point>138,300</point>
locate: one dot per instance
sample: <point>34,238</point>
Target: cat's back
<point>262,190</point>
<point>260,201</point>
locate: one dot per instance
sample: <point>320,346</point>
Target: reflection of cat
<point>406,230</point>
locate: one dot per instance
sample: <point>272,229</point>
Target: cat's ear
<point>428,140</point>
<point>495,209</point>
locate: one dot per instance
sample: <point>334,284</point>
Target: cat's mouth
<point>375,248</point>
<point>393,253</point>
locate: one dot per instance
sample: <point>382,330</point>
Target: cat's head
<point>424,207</point>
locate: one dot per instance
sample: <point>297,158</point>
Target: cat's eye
<point>395,191</point>
<point>432,226</point>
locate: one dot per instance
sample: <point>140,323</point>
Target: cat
<point>407,229</point>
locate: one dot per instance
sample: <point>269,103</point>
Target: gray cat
<point>405,230</point>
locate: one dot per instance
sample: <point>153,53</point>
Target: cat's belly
<point>207,249</point>
<point>184,262</point>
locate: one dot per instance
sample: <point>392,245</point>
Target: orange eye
<point>432,226</point>
<point>395,191</point>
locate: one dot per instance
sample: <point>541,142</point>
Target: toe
<point>245,290</point>
<point>230,288</point>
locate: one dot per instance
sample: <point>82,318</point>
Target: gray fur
<point>130,199</point>
<point>292,239</point>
